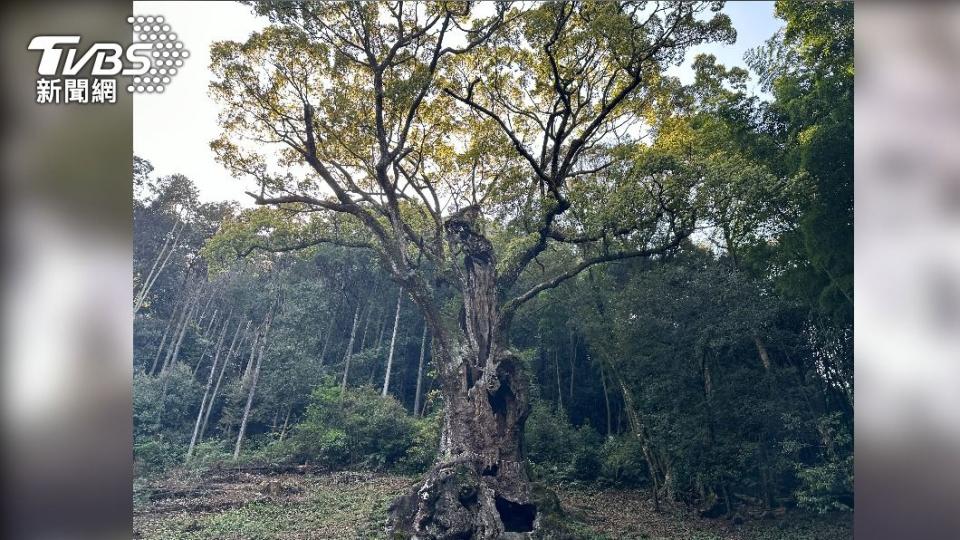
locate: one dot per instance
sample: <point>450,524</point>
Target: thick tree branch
<point>517,143</point>
<point>305,244</point>
<point>510,307</point>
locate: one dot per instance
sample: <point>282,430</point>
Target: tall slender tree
<point>223,369</point>
<point>416,397</point>
<point>254,378</point>
<point>348,354</point>
<point>206,391</point>
<point>393,342</point>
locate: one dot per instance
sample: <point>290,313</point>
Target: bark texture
<point>479,487</point>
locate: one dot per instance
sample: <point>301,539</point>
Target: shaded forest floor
<point>346,505</point>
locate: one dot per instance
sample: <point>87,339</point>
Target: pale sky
<point>173,130</point>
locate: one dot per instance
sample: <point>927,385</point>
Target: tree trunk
<point>195,295</point>
<point>393,342</point>
<point>383,327</point>
<point>349,353</point>
<point>556,363</point>
<point>286,422</point>
<point>423,350</point>
<point>206,348</point>
<point>163,340</point>
<point>479,487</point>
<point>154,271</point>
<point>213,321</point>
<point>573,362</point>
<point>253,388</point>
<point>711,421</point>
<point>196,366</point>
<point>366,327</point>
<point>248,370</point>
<point>172,358</point>
<point>234,346</point>
<point>636,424</point>
<point>203,313</point>
<point>762,352</point>
<point>328,336</point>
<point>606,401</point>
<point>185,318</point>
<point>379,346</point>
<point>206,391</point>
<point>763,465</point>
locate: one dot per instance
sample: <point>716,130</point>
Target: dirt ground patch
<point>261,506</point>
<point>615,514</point>
<point>348,505</point>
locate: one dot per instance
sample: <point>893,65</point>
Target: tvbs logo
<point>107,57</point>
<point>149,63</point>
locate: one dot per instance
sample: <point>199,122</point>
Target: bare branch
<point>511,306</point>
<point>305,244</point>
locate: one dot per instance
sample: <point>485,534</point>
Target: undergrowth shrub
<point>165,404</point>
<point>358,428</point>
<point>155,456</point>
<point>559,451</point>
<point>210,454</point>
<point>827,484</point>
<point>426,442</point>
<point>622,461</point>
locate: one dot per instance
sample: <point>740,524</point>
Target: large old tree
<point>462,143</point>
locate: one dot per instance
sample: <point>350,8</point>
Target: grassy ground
<point>344,505</point>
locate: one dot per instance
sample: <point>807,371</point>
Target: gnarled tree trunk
<point>479,487</point>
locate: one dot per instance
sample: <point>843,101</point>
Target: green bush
<point>210,454</point>
<point>276,452</point>
<point>548,438</point>
<point>622,461</point>
<point>155,456</point>
<point>356,428</point>
<point>827,485</point>
<point>166,404</point>
<point>559,451</point>
<point>585,463</point>
<point>426,443</point>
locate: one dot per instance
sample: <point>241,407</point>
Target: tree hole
<point>516,517</point>
<point>499,399</point>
